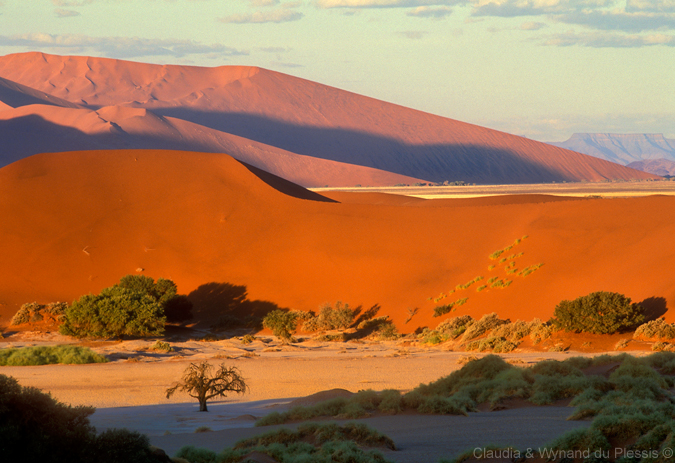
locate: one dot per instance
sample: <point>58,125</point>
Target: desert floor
<point>129,392</point>
<point>575,189</point>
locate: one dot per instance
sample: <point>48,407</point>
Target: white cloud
<point>429,12</point>
<point>384,3</point>
<point>532,26</point>
<point>653,6</point>
<point>286,65</point>
<point>61,13</point>
<point>413,35</point>
<point>258,3</point>
<point>118,47</point>
<point>71,3</point>
<point>274,49</point>
<point>619,20</point>
<point>510,8</point>
<point>608,40</point>
<point>260,17</point>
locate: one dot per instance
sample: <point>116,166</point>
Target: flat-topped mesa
<point>621,148</point>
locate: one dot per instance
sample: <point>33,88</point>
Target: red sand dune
<point>307,118</point>
<point>75,223</point>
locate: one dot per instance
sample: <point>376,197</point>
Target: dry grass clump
<point>34,312</point>
<point>479,327</point>
<point>532,268</point>
<point>506,336</point>
<point>446,330</point>
<point>655,329</point>
<point>329,318</point>
<point>447,308</point>
<point>621,344</point>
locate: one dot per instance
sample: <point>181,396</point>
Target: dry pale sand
<point>131,393</point>
<point>294,115</point>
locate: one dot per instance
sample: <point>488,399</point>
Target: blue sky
<point>539,68</point>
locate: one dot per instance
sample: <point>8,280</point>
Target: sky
<point>543,69</point>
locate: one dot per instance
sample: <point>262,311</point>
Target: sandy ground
<point>603,189</point>
<point>129,392</point>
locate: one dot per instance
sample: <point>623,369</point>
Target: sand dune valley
<point>239,184</point>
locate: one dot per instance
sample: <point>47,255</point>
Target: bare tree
<point>199,383</point>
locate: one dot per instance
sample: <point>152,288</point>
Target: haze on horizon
<point>543,69</point>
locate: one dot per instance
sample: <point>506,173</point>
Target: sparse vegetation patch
<point>47,355</point>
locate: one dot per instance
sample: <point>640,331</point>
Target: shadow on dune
<point>223,306</point>
<point>435,162</point>
<point>655,307</point>
<point>286,187</point>
<point>471,163</point>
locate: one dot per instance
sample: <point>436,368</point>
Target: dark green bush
<point>599,313</point>
<point>117,445</point>
<point>34,427</point>
<point>115,312</point>
<point>177,308</point>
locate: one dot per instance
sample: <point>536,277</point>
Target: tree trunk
<point>202,405</point>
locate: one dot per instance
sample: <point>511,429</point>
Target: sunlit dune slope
<point>309,118</point>
<point>39,128</point>
<point>76,222</point>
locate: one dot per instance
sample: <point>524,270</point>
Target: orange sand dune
<point>308,118</point>
<point>38,128</point>
<point>76,222</point>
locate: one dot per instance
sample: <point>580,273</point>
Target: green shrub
<point>386,331</point>
<point>283,323</point>
<point>116,445</point>
<point>34,427</point>
<point>161,346</point>
<point>247,339</point>
<point>46,355</point>
<point>391,401</point>
<point>340,317</point>
<point>598,313</point>
<point>197,455</point>
<point>115,312</point>
<point>177,308</point>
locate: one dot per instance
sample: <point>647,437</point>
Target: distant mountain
<point>660,167</point>
<point>300,130</point>
<point>621,148</point>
